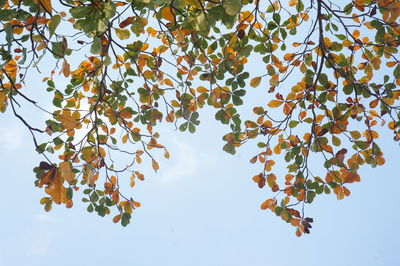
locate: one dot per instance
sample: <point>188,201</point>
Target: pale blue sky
<point>202,208</point>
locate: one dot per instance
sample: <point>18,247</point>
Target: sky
<point>200,209</point>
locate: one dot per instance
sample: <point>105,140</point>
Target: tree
<point>332,70</point>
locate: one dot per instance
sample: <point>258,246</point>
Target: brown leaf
<point>56,189</point>
<point>45,166</point>
<point>126,22</point>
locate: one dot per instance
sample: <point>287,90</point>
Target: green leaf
<point>293,123</point>
<point>54,22</point>
<point>229,148</point>
<point>201,23</point>
<point>7,14</point>
<point>375,149</point>
<point>396,72</point>
<point>58,50</point>
<point>80,11</point>
<point>361,144</point>
<point>310,196</point>
<point>96,46</point>
<point>232,7</point>
<point>336,141</point>
<point>192,128</point>
<point>125,219</point>
<point>9,35</point>
<point>109,9</point>
<point>184,126</point>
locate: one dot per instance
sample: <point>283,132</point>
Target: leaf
<point>275,103</point>
<point>45,166</point>
<point>255,82</point>
<point>167,14</point>
<point>293,123</point>
<point>53,24</point>
<point>336,141</point>
<point>166,154</point>
<point>232,7</point>
<point>65,170</point>
<point>80,11</point>
<point>125,219</point>
<point>229,148</point>
<point>122,34</point>
<point>58,49</point>
<point>355,134</point>
<point>117,218</point>
<point>96,46</point>
<point>126,22</point>
<point>56,189</point>
<point>155,165</point>
<point>170,117</point>
<point>45,4</point>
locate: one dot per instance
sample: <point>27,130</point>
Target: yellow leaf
<point>155,165</point>
<point>293,2</point>
<point>122,34</point>
<point>274,103</point>
<point>355,134</point>
<point>148,74</point>
<point>70,120</point>
<point>65,170</point>
<point>125,138</point>
<point>3,101</point>
<point>202,89</point>
<point>255,82</point>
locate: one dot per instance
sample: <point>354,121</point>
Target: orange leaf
<point>155,165</point>
<point>117,218</point>
<point>170,117</point>
<point>275,103</point>
<point>57,190</point>
<point>166,154</point>
<point>167,14</point>
<point>139,175</point>
<point>45,4</point>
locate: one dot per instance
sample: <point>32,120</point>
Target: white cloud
<point>10,137</point>
<point>186,160</point>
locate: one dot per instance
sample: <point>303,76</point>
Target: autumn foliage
<point>120,69</point>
